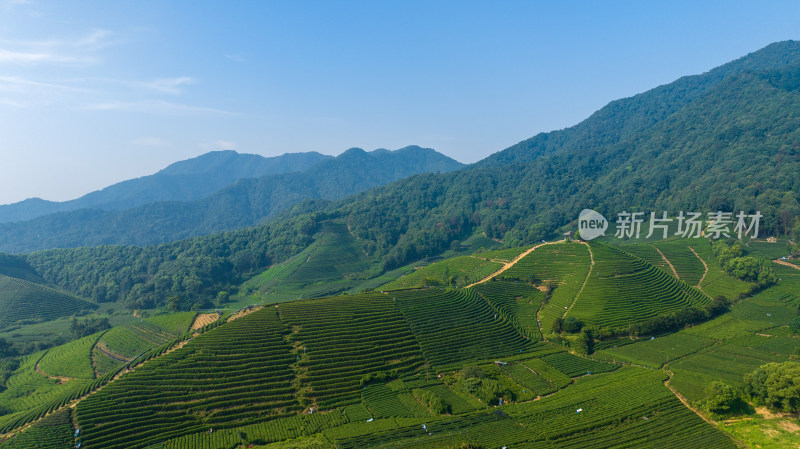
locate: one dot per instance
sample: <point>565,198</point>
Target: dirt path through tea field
<point>512,263</point>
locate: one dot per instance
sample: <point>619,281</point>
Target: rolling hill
<point>474,365</point>
<point>366,370</point>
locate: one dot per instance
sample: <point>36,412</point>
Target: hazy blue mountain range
<point>182,181</point>
<point>246,202</point>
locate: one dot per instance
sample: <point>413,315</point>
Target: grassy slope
<point>335,262</point>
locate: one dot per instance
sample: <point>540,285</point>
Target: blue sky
<point>94,92</point>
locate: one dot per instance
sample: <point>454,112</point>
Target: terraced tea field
<point>574,366</point>
<point>716,281</point>
<point>624,289</point>
<point>52,432</point>
<point>342,339</point>
<point>46,380</point>
<point>457,326</point>
<point>630,409</point>
<point>122,344</point>
<point>335,262</point>
<point>233,375</point>
<point>566,265</point>
<point>769,250</point>
<point>517,302</point>
<point>650,254</point>
<point>689,267</point>
<point>22,300</point>
<point>456,272</point>
<point>370,365</point>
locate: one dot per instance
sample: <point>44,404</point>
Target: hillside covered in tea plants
<point>525,357</point>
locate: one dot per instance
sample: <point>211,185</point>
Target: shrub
<point>431,401</point>
<point>378,377</point>
<point>794,325</point>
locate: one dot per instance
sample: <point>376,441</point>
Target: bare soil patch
<point>204,319</point>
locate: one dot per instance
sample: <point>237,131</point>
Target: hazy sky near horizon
<point>95,92</point>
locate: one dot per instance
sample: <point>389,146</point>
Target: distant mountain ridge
<point>246,202</point>
<point>186,180</point>
<point>734,146</point>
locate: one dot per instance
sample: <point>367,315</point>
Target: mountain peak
<point>355,151</point>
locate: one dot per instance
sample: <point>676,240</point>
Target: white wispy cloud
<point>96,39</point>
<point>150,142</point>
<point>20,84</point>
<point>234,57</point>
<point>167,85</point>
<point>13,103</point>
<point>158,107</point>
<point>80,50</point>
<point>218,145</point>
<point>22,57</point>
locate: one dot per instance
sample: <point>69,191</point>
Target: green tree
<point>558,325</point>
<point>572,325</point>
<point>586,341</point>
<point>721,398</point>
<point>174,304</point>
<point>777,385</point>
<point>472,371</point>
